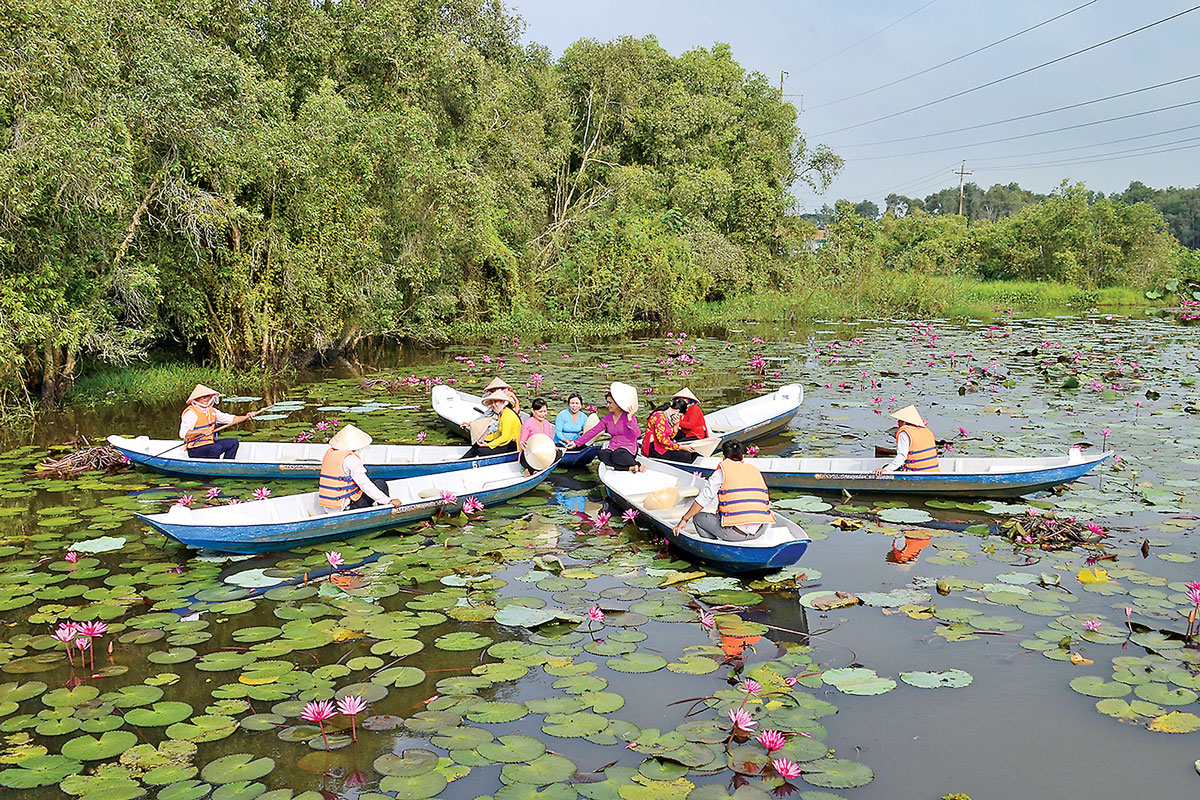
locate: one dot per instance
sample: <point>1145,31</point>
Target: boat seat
<point>631,484</point>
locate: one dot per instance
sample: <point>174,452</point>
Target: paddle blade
<point>705,447</point>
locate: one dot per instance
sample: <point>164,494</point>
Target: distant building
<point>817,240</point>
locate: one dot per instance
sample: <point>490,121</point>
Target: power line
<point>1030,135</point>
<point>953,60</point>
<point>1114,156</point>
<point>915,184</point>
<point>1023,116</point>
<point>1015,74</point>
<point>872,36</point>
<point>1088,146</point>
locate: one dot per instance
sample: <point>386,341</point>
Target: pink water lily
<point>449,498</point>
<point>772,740</point>
<point>602,520</point>
<point>318,711</point>
<point>472,505</point>
<point>185,501</point>
<point>743,723</point>
<point>790,681</point>
<point>630,515</point>
<point>707,621</point>
<point>1193,596</point>
<point>335,559</point>
<point>421,436</point>
<point>751,687</point>
<point>786,768</point>
<point>1091,625</point>
<point>212,494</point>
<point>595,614</point>
<point>262,493</point>
<point>66,634</point>
<point>93,628</point>
<point>71,556</point>
<point>352,705</point>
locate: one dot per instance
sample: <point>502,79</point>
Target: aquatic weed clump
<point>1047,532</point>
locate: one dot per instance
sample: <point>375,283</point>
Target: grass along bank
<point>907,294</point>
<point>156,381</point>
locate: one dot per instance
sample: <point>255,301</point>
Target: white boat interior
<point>634,487</point>
<point>947,466</point>
<point>298,452</point>
<point>458,407</point>
<point>755,410</point>
<point>300,507</point>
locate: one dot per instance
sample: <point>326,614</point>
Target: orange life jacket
<point>742,498</point>
<point>516,403</point>
<point>205,430</point>
<point>922,449</point>
<point>335,486</point>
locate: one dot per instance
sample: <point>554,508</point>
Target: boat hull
<point>940,484</point>
<point>260,538</point>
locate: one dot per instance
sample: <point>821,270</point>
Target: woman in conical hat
<point>499,429</point>
<point>344,485</point>
<point>498,383</point>
<point>692,424</point>
<point>916,448</point>
<point>536,424</point>
<point>622,427</point>
<point>198,423</point>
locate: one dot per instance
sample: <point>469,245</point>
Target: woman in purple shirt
<point>622,427</point>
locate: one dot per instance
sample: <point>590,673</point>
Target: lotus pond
<point>540,650</point>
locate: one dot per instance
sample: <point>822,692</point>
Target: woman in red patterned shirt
<point>659,441</point>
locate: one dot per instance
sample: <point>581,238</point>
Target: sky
<point>833,50</point>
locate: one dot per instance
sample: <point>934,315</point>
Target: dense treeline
<point>260,182</point>
<point>264,181</point>
<point>1179,207</point>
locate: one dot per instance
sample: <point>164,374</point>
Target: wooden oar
<point>215,432</point>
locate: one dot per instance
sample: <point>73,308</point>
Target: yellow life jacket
<point>205,430</point>
<point>742,498</point>
<point>335,485</point>
<point>922,449</point>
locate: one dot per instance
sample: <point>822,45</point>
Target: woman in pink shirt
<point>622,427</point>
<point>537,423</point>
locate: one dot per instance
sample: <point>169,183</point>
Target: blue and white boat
<point>959,477</point>
<point>280,523</point>
<point>757,417</point>
<point>274,460</point>
<point>780,545</point>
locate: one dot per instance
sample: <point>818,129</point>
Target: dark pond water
<point>202,675</point>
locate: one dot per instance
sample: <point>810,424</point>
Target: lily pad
<point>952,678</point>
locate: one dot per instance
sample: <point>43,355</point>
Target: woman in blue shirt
<point>569,423</point>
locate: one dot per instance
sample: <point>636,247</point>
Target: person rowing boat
<point>916,448</point>
<point>199,421</point>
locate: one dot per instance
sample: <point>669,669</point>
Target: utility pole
<point>782,75</point>
<point>962,174</point>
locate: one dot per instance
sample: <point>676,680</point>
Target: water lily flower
<point>262,493</point>
<point>742,721</point>
<point>352,705</point>
<point>335,559</point>
<point>595,614</point>
<point>630,515</point>
<point>71,556</point>
<point>318,711</point>
<point>790,681</point>
<point>772,740</point>
<point>1193,596</point>
<point>1091,625</point>
<point>707,620</point>
<point>471,505</point>
<point>93,629</point>
<point>752,687</point>
<point>185,501</point>
<point>752,450</point>
<point>1105,432</point>
<point>962,431</point>
<point>602,519</point>
<point>449,498</point>
<point>786,768</point>
<point>66,634</point>
<point>83,643</point>
<point>1096,529</point>
<point>1192,585</point>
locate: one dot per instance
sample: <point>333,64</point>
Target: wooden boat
<point>780,545</point>
<point>280,523</point>
<point>959,477</point>
<point>455,408</point>
<point>758,417</point>
<point>274,460</point>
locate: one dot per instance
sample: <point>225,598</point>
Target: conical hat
<point>625,396</point>
<point>591,422</point>
<point>909,414</point>
<point>686,393</point>
<point>349,438</point>
<point>202,391</point>
<point>497,383</point>
<point>539,451</point>
<point>498,394</point>
<point>478,429</point>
